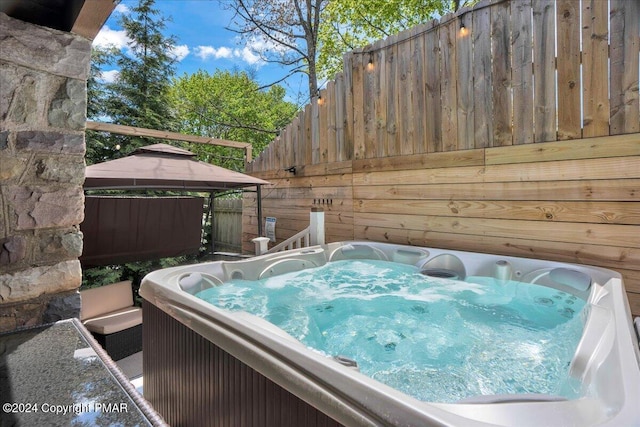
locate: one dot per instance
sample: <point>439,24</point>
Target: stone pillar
<point>43,100</point>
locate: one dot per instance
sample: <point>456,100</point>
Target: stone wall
<point>43,98</point>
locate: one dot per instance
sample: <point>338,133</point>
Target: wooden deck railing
<point>310,236</point>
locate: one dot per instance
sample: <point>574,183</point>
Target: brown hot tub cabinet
<point>193,382</point>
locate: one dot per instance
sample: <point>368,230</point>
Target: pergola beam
<point>152,133</point>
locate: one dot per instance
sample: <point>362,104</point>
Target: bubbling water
<point>436,339</point>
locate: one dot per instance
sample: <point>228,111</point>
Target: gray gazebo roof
<point>162,166</point>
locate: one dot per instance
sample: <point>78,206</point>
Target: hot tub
<point>206,365</point>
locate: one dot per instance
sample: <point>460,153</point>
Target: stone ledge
<point>29,284</point>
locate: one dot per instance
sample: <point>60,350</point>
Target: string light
<point>464,31</point>
<point>370,66</point>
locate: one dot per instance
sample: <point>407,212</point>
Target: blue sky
<point>203,42</point>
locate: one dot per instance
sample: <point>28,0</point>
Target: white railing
<point>310,236</point>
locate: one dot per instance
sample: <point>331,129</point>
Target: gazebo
<point>121,229</point>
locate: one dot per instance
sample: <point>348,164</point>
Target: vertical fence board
<point>349,143</point>
<point>418,89</point>
<point>465,111</point>
<point>301,146</point>
<point>295,135</point>
<point>393,143</point>
<point>331,122</point>
<point>483,123</point>
<point>448,63</point>
<point>433,113</point>
<point>568,64</point>
<point>308,118</point>
<point>315,131</point>
<point>501,74</point>
<point>522,77</point>
<point>277,152</point>
<point>370,95</point>
<point>595,65</point>
<point>625,117</point>
<point>380,70</point>
<point>544,70</point>
<point>340,118</point>
<point>358,111</point>
<point>405,112</point>
<point>323,126</point>
<point>287,152</point>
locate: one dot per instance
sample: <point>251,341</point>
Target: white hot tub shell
<point>606,361</point>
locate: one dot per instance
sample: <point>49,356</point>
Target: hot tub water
<point>438,340</point>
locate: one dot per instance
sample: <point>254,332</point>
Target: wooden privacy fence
<point>496,82</point>
<point>518,134</point>
<point>227,216</point>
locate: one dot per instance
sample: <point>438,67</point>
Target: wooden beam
<point>92,16</point>
<point>152,133</point>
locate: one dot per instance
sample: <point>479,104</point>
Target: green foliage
<point>228,105</point>
<point>351,24</point>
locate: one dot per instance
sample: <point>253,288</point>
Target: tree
<point>100,146</point>
<point>351,24</point>
<point>139,95</point>
<point>282,31</point>
<point>229,105</point>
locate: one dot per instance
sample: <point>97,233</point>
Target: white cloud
<point>179,52</point>
<point>247,55</point>
<point>108,37</point>
<point>205,52</point>
<point>122,8</point>
<point>110,76</point>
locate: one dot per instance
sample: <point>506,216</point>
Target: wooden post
<point>262,244</point>
<point>316,226</point>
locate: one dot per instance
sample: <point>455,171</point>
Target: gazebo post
<point>211,215</point>
<point>259,197</point>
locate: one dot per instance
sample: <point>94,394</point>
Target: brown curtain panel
<point>125,229</point>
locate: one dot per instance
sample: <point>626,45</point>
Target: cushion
<point>105,299</point>
<point>115,322</point>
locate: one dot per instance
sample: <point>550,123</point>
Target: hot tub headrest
<point>572,278</point>
<point>190,281</point>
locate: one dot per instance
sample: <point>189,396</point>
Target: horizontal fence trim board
<point>305,193</point>
<point>301,215</point>
<point>588,148</point>
<point>611,257</point>
<point>329,205</point>
<point>344,206</point>
<point>566,170</point>
<point>422,161</point>
<point>593,234</point>
<point>594,190</point>
<point>627,213</point>
<point>336,180</point>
